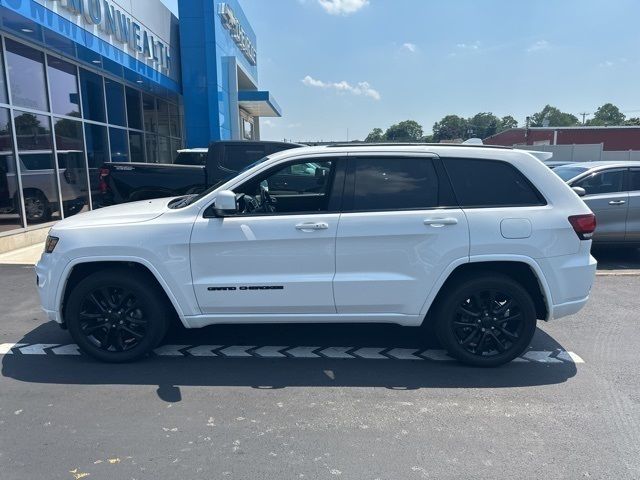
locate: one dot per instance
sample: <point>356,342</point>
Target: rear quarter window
<point>490,183</point>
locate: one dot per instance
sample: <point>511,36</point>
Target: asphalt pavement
<point>321,401</point>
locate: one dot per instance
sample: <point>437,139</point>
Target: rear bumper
<point>570,279</point>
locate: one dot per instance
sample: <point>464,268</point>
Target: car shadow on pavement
<point>171,373</point>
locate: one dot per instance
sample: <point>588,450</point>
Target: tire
<point>117,315</point>
<point>486,321</point>
<point>37,207</point>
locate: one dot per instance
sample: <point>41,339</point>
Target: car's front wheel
<point>117,315</point>
<point>486,321</point>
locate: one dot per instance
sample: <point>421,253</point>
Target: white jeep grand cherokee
<point>477,242</point>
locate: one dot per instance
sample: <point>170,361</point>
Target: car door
<point>398,232</point>
<point>605,196</point>
<point>633,213</point>
<point>279,260</point>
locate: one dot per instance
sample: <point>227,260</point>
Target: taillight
<point>583,225</point>
<point>103,187</point>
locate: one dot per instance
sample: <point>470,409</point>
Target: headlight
<point>51,243</point>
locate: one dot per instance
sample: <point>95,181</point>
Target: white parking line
<point>268,351</point>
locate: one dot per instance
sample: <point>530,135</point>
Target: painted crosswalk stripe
<point>555,357</point>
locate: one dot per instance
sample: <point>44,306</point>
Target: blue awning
<point>259,103</point>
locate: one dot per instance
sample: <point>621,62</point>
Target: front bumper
<point>48,274</point>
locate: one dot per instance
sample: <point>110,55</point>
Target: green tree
<point>607,114</point>
<point>508,122</point>
<point>450,128</point>
<point>554,117</point>
<point>482,125</point>
<point>634,121</point>
<point>406,131</point>
<point>376,136</point>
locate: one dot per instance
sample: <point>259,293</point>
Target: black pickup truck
<point>192,171</point>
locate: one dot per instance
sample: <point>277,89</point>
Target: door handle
<point>440,222</point>
<point>305,227</point>
<point>617,202</point>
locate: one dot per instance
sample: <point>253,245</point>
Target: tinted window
<point>92,96</point>
<point>191,158</point>
<point>609,181</point>
<point>394,184</point>
<point>567,173</point>
<point>134,109</point>
<point>119,145</point>
<point>490,183</point>
<point>63,81</point>
<point>149,112</point>
<point>136,146</point>
<point>634,180</point>
<point>237,157</point>
<point>72,168</point>
<point>115,102</point>
<point>26,76</point>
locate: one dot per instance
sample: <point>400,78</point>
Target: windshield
<point>567,173</point>
<point>189,199</point>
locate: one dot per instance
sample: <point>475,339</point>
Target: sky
<point>339,68</point>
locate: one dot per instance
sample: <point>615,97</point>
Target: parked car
<point>39,187</point>
<point>612,192</point>
<point>556,163</point>
<point>395,234</point>
<point>192,171</point>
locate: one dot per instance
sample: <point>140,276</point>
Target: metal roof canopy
<point>259,103</point>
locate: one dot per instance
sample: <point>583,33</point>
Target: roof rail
<point>400,144</point>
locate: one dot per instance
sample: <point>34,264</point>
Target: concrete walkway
<point>23,256</point>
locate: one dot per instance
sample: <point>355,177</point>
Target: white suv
<point>476,242</point>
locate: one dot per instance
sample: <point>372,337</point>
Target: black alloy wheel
<point>118,314</point>
<point>112,319</point>
<point>488,323</point>
<point>486,320</point>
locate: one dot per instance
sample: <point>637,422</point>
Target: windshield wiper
<point>183,201</point>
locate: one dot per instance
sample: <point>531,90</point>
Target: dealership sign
<point>239,36</point>
<point>119,25</point>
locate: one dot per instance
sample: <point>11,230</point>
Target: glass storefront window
<point>10,203</point>
<point>63,81</point>
<point>136,146</point>
<point>152,148</point>
<point>115,102</point>
<point>72,169</point>
<point>164,147</point>
<point>37,167</point>
<point>174,120</point>
<point>26,76</point>
<point>92,96</point>
<point>119,145</point>
<point>3,84</point>
<point>149,112</point>
<point>97,154</point>
<point>134,109</point>
<point>164,119</point>
<point>175,146</point>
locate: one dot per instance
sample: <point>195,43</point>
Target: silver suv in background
<point>612,192</point>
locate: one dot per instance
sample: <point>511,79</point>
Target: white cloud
<point>411,47</point>
<point>469,46</point>
<point>362,88</point>
<point>612,63</point>
<point>342,7</point>
<point>538,46</point>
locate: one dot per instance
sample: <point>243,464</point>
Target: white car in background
<point>478,242</point>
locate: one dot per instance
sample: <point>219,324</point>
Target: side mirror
<point>225,204</point>
<point>580,191</point>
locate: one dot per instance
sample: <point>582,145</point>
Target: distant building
<point>611,138</point>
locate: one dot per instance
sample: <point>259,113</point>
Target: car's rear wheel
<point>486,321</point>
<point>117,315</point>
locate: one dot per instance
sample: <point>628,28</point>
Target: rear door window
<point>237,157</point>
<point>490,183</point>
<point>634,180</point>
<point>394,183</point>
<point>607,181</point>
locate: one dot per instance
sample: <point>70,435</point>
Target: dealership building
<point>83,82</point>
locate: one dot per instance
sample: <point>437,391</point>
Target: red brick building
<point>611,138</point>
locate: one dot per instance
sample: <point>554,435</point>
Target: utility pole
<point>584,116</point>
